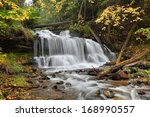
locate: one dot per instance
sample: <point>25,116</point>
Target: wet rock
<point>53,75</point>
<point>55,87</point>
<point>44,87</point>
<point>141,93</point>
<point>44,77</point>
<point>120,75</point>
<point>58,87</point>
<point>68,84</point>
<point>29,81</point>
<point>108,93</point>
<point>60,82</point>
<point>92,73</point>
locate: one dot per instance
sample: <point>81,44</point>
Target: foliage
<point>10,11</point>
<point>81,28</point>
<point>147,71</point>
<point>143,33</point>
<point>54,10</point>
<point>120,16</point>
<point>1,95</point>
<point>2,58</point>
<point>13,62</point>
<point>12,17</point>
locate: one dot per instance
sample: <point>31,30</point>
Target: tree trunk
<point>79,14</point>
<point>108,34</point>
<point>84,9</point>
<point>54,24</point>
<point>125,43</point>
<point>93,33</point>
<point>120,65</point>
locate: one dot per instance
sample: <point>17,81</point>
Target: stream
<point>61,56</point>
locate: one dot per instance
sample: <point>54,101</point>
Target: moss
<point>1,95</point>
<point>15,61</point>
<point>5,92</point>
<point>147,71</point>
<point>19,81</point>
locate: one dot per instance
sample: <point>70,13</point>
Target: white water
<point>92,89</point>
<point>65,52</point>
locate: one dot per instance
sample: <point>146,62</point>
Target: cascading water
<point>63,51</point>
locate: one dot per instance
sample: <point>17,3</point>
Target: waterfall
<point>63,50</point>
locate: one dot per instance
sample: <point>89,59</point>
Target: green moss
<point>147,71</point>
<point>5,92</point>
<point>15,61</point>
<point>12,63</point>
<point>1,95</point>
<point>81,28</point>
<point>19,81</point>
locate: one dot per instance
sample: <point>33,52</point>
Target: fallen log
<point>120,65</point>
<point>93,33</point>
<point>53,24</point>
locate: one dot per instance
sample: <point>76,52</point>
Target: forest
<point>74,49</point>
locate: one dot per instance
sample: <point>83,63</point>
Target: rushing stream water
<point>55,53</point>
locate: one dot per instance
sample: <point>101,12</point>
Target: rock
<point>58,87</point>
<point>120,75</point>
<point>108,93</point>
<point>68,84</point>
<point>53,75</point>
<point>44,87</point>
<point>60,82</point>
<point>55,87</point>
<point>29,81</point>
<point>92,73</point>
<point>141,93</point>
<point>44,77</point>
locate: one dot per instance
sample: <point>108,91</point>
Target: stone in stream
<point>58,87</point>
<point>141,93</point>
<point>60,82</point>
<point>108,93</point>
<point>120,75</point>
<point>68,84</point>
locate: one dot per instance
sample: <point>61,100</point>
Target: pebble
<point>108,93</point>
